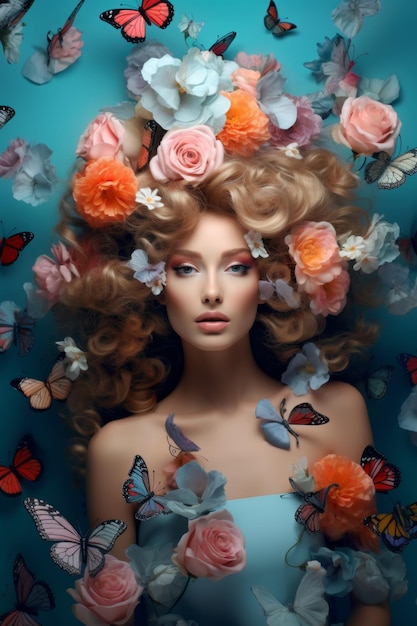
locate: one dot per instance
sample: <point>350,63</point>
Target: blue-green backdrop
<point>56,113</point>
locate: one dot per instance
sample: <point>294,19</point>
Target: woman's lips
<point>212,321</point>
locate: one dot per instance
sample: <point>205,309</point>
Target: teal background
<point>56,114</point>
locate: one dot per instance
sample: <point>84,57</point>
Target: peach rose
<point>212,548</point>
<point>314,248</point>
<point>367,126</point>
<point>103,137</point>
<point>187,153</point>
<point>108,598</point>
<point>330,298</point>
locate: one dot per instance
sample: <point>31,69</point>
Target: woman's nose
<point>212,292</point>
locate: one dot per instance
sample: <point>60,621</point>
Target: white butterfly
<point>309,605</point>
<point>348,15</point>
<point>390,173</point>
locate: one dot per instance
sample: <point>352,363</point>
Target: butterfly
<point>41,392</point>
<point>309,606</point>
<point>308,513</point>
<point>339,65</point>
<point>376,384</point>
<point>6,114</point>
<point>183,443</point>
<point>137,489</point>
<point>385,476</point>
<point>31,597</point>
<point>151,138</point>
<point>73,551</point>
<point>277,429</point>
<point>221,45</point>
<point>12,12</point>
<point>15,328</point>
<point>133,21</point>
<point>56,39</point>
<point>397,528</point>
<point>391,173</point>
<point>274,24</point>
<point>24,466</point>
<point>409,364</point>
<point>10,247</point>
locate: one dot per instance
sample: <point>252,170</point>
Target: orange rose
<point>247,127</point>
<point>104,192</point>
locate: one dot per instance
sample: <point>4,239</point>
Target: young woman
<point>254,264</point>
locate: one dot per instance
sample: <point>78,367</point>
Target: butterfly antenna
<point>294,545</point>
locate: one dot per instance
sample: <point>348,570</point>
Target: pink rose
<point>314,248</point>
<point>52,275</point>
<point>187,153</point>
<point>367,126</point>
<point>330,298</point>
<point>212,548</point>
<point>103,137</point>
<point>108,598</point>
<point>304,131</point>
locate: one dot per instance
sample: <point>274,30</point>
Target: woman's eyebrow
<point>225,254</point>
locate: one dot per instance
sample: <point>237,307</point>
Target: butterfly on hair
<point>55,39</point>
<point>72,551</point>
<point>32,596</point>
<point>274,24</point>
<point>137,489</point>
<point>41,393</point>
<point>6,114</point>
<point>25,465</point>
<point>132,22</point>
<point>388,172</point>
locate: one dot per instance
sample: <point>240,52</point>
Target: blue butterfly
<point>277,430</point>
<point>183,443</point>
<point>137,489</point>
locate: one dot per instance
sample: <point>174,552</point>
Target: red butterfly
<point>221,45</point>
<point>54,40</point>
<point>25,465</point>
<point>41,392</point>
<point>274,24</point>
<point>6,114</point>
<point>385,476</point>
<point>151,138</point>
<point>277,429</point>
<point>308,513</point>
<point>31,597</point>
<point>11,246</point>
<point>133,21</point>
<point>409,364</point>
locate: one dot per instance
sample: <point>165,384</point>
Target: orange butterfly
<point>274,24</point>
<point>41,392</point>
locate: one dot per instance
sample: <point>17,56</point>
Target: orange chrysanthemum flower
<point>349,503</point>
<point>104,192</point>
<point>247,127</point>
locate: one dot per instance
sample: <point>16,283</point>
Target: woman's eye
<point>184,270</point>
<point>239,268</point>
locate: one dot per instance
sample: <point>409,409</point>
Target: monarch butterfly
<point>25,465</point>
<point>397,528</point>
<point>277,429</point>
<point>151,138</point>
<point>6,114</point>
<point>222,44</point>
<point>409,364</point>
<point>385,476</point>
<point>137,489</point>
<point>377,382</point>
<point>56,39</point>
<point>10,247</point>
<point>391,173</point>
<point>308,513</point>
<point>31,597</point>
<point>72,551</point>
<point>133,21</point>
<point>41,392</point>
<point>15,328</point>
<point>274,24</point>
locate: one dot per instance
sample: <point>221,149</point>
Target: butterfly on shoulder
<point>409,364</point>
<point>151,138</point>
<point>10,247</point>
<point>6,114</point>
<point>308,514</point>
<point>32,596</point>
<point>40,393</point>
<point>137,489</point>
<point>397,528</point>
<point>25,465</point>
<point>16,328</point>
<point>222,43</point>
<point>175,434</point>
<point>72,551</point>
<point>376,384</point>
<point>55,40</point>
<point>274,24</point>
<point>12,12</point>
<point>385,476</point>
<point>391,173</point>
<point>132,22</point>
<point>277,429</point>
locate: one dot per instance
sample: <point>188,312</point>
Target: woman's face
<point>211,292</point>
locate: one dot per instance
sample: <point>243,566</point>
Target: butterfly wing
<point>409,364</point>
<point>23,335</point>
<point>304,414</point>
<point>13,13</point>
<point>54,40</point>
<point>7,322</point>
<point>137,489</point>
<point>308,513</point>
<point>385,476</point>
<point>375,169</point>
<point>309,603</point>
<point>275,612</point>
<point>6,114</point>
<point>41,393</point>
<point>274,24</point>
<point>131,21</point>
<point>10,247</point>
<point>151,138</point>
<point>100,541</point>
<point>397,528</point>
<point>222,44</point>
<point>24,465</point>
<point>273,427</point>
<point>377,382</point>
<point>391,173</point>
<point>184,443</point>
<point>159,12</point>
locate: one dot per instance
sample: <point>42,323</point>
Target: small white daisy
<point>149,197</point>
<point>256,245</point>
